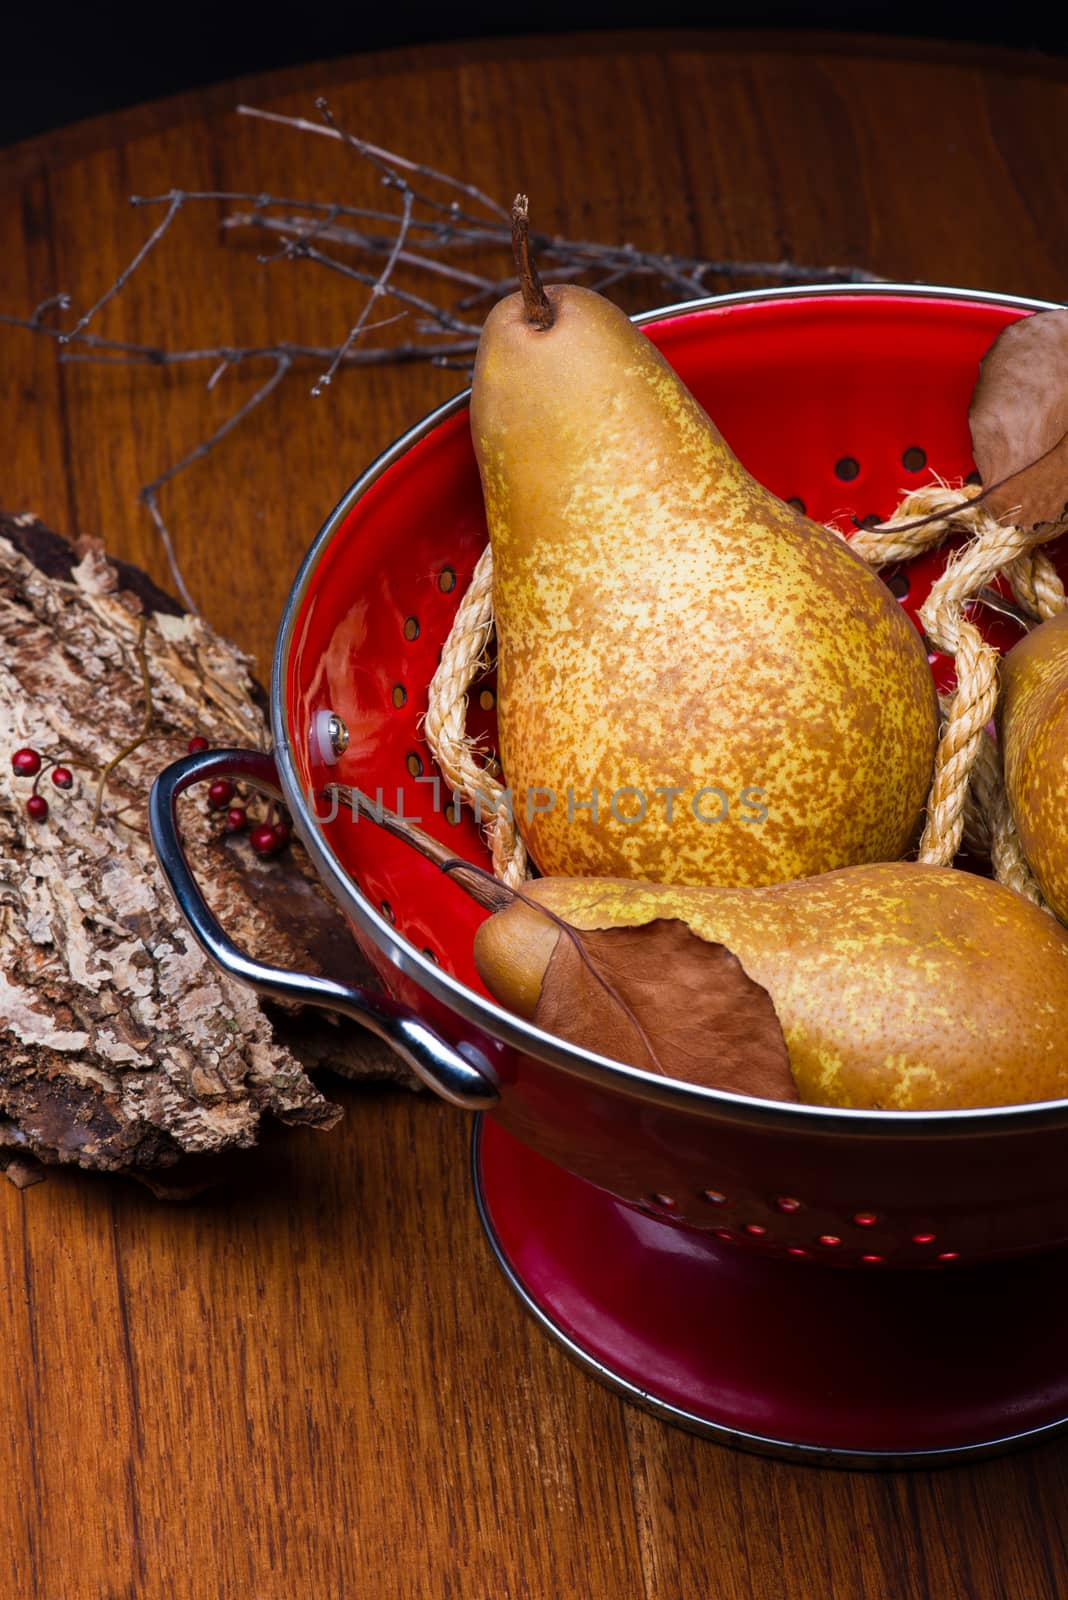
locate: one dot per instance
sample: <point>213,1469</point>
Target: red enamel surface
<point>796,385</point>
<point>847,1361</point>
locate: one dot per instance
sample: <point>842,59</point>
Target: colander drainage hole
<point>756,1229</point>
<point>898,584</point>
<point>923,1238</point>
<point>662,1202</point>
<point>446,580</point>
<point>714,1197</point>
<point>400,695</point>
<point>487,699</point>
<point>788,1204</point>
<point>387,912</point>
<point>452,813</point>
<point>414,765</point>
<point>798,504</point>
<point>914,459</point>
<point>431,956</point>
<point>865,1219</point>
<point>830,1240</point>
<point>411,627</point>
<point>847,468</point>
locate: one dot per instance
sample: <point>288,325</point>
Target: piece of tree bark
<point>121,1045</point>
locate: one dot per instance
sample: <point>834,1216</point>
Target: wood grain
<point>318,1384</point>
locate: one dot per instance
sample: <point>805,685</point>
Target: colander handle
<point>437,1063</point>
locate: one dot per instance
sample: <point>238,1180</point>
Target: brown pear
<point>1033,719</point>
<point>696,683</point>
<point>897,986</point>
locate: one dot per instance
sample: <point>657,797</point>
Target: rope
<point>967,794</point>
<point>464,656</point>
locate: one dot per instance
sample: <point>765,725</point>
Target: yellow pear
<point>697,684</point>
<point>1033,717</point>
<point>897,986</point>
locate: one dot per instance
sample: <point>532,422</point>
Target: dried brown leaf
<point>1019,421</point>
<point>661,998</point>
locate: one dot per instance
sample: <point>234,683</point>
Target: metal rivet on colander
<point>328,737</point>
<point>865,1219</point>
<point>830,1240</point>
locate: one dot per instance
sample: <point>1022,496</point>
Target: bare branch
<point>281,367</point>
<point>367,242</point>
<point>149,500</point>
<point>377,290</point>
<point>374,152</point>
<point>177,202</point>
<point>440,219</point>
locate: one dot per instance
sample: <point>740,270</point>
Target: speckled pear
<point>897,986</point>
<point>696,683</point>
<point>1033,717</point>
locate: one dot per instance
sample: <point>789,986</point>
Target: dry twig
<point>438,218</point>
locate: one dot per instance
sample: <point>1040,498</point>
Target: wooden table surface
<point>318,1384</point>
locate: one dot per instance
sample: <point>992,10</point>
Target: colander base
<point>833,1366</point>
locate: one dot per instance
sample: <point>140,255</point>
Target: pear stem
<point>536,302</point>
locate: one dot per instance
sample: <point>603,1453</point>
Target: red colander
<point>854,1287</point>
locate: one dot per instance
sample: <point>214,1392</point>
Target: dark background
<point>61,64</point>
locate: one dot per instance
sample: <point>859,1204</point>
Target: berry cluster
<point>266,837</point>
<point>29,763</point>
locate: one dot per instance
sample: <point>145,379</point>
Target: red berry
<point>37,806</point>
<point>196,744</point>
<point>220,793</point>
<point>62,777</point>
<point>283,832</point>
<point>235,820</point>
<point>264,839</point>
<point>26,763</point>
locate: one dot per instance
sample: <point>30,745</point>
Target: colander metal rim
<point>504,1026</point>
